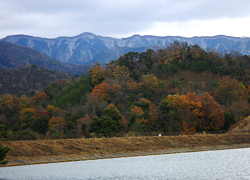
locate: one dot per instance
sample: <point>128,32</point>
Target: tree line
<point>181,89</point>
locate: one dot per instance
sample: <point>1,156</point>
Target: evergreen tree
<point>3,153</point>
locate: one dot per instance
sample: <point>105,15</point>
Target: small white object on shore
<point>159,135</point>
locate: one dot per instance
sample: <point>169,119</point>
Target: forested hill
<point>28,79</point>
<point>18,57</point>
<point>181,89</point>
<point>87,48</point>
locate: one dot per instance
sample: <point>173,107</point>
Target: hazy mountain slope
<point>13,56</point>
<point>86,48</point>
<point>31,78</point>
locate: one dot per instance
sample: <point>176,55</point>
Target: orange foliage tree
<point>137,111</point>
<point>101,91</point>
<point>184,109</point>
<point>132,85</point>
<point>57,123</point>
<point>116,87</point>
<point>192,112</point>
<point>211,114</point>
<point>39,97</point>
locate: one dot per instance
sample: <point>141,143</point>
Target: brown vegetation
<point>241,127</point>
<point>43,149</point>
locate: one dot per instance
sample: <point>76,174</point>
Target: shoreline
<point>67,150</point>
<point>59,159</point>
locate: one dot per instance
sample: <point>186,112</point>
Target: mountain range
<point>20,57</point>
<point>87,48</point>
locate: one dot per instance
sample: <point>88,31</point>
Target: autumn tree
<point>101,91</point>
<point>211,115</point>
<point>116,71</point>
<point>57,123</point>
<point>25,102</point>
<point>50,109</point>
<point>149,118</point>
<point>27,115</point>
<point>56,128</point>
<point>82,123</point>
<point>39,97</point>
<point>115,88</point>
<point>57,112</point>
<point>150,82</point>
<point>176,109</point>
<point>191,112</point>
<point>98,96</point>
<point>97,74</point>
<point>229,90</point>
<point>132,85</point>
<point>9,106</point>
<point>187,130</point>
<point>136,114</point>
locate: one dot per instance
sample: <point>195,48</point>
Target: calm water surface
<point>225,164</point>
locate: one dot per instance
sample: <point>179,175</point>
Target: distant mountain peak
<point>87,47</point>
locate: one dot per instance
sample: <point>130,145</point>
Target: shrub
<point>3,153</point>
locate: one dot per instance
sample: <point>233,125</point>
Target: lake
<point>222,164</point>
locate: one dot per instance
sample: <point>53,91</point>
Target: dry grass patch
<point>68,148</point>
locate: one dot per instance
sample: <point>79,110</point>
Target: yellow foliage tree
<point>150,82</point>
<point>229,90</point>
<point>97,74</point>
<point>26,117</point>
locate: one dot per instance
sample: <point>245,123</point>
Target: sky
<point>124,18</point>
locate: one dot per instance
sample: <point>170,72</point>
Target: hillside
<point>49,151</point>
<point>31,78</point>
<point>87,47</point>
<point>18,57</point>
<point>242,126</point>
<point>179,90</point>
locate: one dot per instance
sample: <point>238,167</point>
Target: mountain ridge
<point>17,57</point>
<point>87,48</point>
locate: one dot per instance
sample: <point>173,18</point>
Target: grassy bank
<point>40,151</point>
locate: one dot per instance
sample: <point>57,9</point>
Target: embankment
<point>46,151</point>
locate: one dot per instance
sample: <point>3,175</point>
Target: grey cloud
<point>109,17</point>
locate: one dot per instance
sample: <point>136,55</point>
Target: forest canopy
<point>182,89</point>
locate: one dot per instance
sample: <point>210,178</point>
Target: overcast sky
<point>123,18</point>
